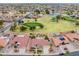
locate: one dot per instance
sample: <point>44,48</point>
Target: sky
<point>39,1</point>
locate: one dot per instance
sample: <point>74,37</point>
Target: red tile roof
<point>71,36</point>
<point>56,41</point>
<point>2,42</point>
<point>41,42</point>
<point>66,40</point>
<point>22,40</point>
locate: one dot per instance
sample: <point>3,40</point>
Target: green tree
<point>58,17</point>
<point>1,23</point>
<point>41,26</point>
<point>37,11</point>
<point>13,27</point>
<point>77,23</point>
<point>22,28</point>
<point>21,11</point>
<point>47,11</point>
<point>1,48</point>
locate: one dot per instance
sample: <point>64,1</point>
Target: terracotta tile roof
<point>71,36</point>
<point>56,41</point>
<point>41,42</point>
<point>2,42</point>
<point>66,39</point>
<point>22,40</point>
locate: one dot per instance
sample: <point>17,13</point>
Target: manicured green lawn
<point>50,26</point>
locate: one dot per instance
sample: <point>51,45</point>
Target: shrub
<point>77,23</point>
<point>33,25</point>
<point>22,28</point>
